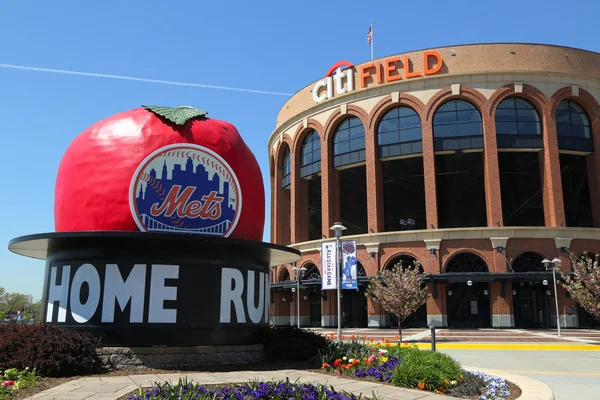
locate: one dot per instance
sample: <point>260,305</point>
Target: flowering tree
<point>584,285</point>
<point>399,290</point>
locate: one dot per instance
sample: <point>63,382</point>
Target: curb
<point>530,388</point>
<point>509,346</point>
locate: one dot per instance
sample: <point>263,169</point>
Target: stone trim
<point>503,321</point>
<point>179,357</point>
<point>462,233</point>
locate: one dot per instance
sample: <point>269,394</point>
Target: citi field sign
<point>339,79</point>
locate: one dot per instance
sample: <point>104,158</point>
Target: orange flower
<point>421,385</point>
<point>356,362</point>
<point>388,345</point>
<point>325,365</point>
<point>349,366</point>
<point>397,337</point>
<point>343,365</point>
<point>372,340</point>
<point>352,337</point>
<point>342,337</point>
<point>364,336</point>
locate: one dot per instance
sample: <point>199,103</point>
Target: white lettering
<point>329,87</point>
<point>83,312</point>
<point>159,293</point>
<point>123,291</point>
<point>58,293</point>
<point>267,297</point>
<point>255,313</point>
<point>339,84</point>
<point>315,92</point>
<point>232,287</point>
<point>350,79</point>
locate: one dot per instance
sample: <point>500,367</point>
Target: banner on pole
<point>329,256</point>
<point>349,263</point>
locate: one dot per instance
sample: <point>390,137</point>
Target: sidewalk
<point>112,388</point>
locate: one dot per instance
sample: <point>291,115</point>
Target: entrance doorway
<point>354,307</point>
<point>315,308</point>
<point>468,306</point>
<point>530,305</point>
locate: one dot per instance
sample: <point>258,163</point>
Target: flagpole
<point>372,40</point>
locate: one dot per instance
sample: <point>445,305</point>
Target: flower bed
<point>13,380</point>
<point>252,390</point>
<point>406,366</point>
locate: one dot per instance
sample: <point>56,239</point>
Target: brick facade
<point>547,83</point>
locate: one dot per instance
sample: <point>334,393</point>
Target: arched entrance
<point>354,303</point>
<point>312,280</point>
<point>467,300</point>
<point>418,319</point>
<point>530,301</point>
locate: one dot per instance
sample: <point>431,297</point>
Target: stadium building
<point>477,161</point>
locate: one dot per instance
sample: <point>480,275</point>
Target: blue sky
<point>278,46</point>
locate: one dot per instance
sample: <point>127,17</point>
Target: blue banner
<point>349,265</point>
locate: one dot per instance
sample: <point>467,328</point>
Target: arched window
<point>284,275</point>
<point>518,124</point>
<point>528,262</point>
<point>312,272</point>
<point>457,126</point>
<point>404,260</point>
<point>573,127</point>
<point>399,133</point>
<point>286,169</point>
<point>349,143</point>
<point>465,263</point>
<point>311,155</point>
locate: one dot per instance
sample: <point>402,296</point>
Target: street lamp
<point>298,274</point>
<point>554,265</point>
<point>337,229</point>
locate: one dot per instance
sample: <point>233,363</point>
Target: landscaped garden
<point>32,354</point>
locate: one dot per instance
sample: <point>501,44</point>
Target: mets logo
<point>185,188</point>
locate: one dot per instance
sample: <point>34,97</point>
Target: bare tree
<point>399,290</point>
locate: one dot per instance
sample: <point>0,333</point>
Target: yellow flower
<point>384,359</point>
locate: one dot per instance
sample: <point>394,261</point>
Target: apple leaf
<point>179,115</point>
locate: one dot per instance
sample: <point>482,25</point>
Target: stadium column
<point>493,195</point>
<point>281,207</point>
<point>436,305</point>
<point>429,175</point>
<point>330,191</point>
<point>593,167</point>
<point>502,307</point>
<point>299,202</point>
<point>374,184</point>
<point>554,209</point>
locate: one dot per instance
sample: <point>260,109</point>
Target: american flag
<point>369,35</point>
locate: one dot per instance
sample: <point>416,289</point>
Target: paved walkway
<point>489,335</point>
<point>111,388</point>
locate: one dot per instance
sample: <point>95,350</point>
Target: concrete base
<point>439,321</point>
<point>503,321</point>
<point>179,357</point>
<point>329,321</point>
<point>379,321</point>
<point>280,321</point>
<point>566,321</point>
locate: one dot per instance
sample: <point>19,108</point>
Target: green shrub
<point>290,343</point>
<point>432,368</point>
<point>51,350</point>
<point>356,349</point>
<point>471,385</point>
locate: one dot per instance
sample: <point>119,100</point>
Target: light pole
<point>298,274</point>
<point>554,265</point>
<point>337,229</point>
